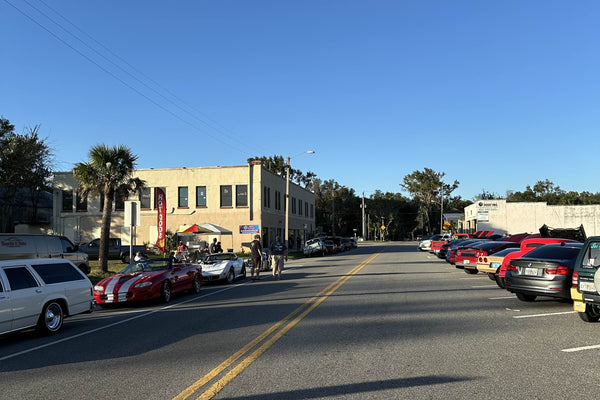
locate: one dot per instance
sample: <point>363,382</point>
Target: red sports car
<point>150,279</point>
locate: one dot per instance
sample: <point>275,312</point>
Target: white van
<point>41,293</point>
<point>24,245</point>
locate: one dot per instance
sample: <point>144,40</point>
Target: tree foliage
<point>278,165</point>
<point>108,172</point>
<point>547,191</point>
<point>25,164</point>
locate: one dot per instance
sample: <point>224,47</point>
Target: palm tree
<point>108,173</point>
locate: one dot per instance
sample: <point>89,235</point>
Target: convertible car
<point>156,278</point>
<point>223,266</point>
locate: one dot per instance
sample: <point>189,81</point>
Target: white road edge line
<point>544,315</point>
<point>574,349</point>
<point>113,324</point>
<point>502,298</point>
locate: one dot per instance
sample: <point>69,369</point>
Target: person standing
<point>279,252</point>
<point>213,247</point>
<point>256,256</point>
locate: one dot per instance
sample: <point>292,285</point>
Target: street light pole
<point>287,194</point>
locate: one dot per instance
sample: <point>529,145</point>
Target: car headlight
<point>143,284</point>
<point>98,288</point>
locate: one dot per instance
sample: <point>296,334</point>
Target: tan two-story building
<point>245,200</point>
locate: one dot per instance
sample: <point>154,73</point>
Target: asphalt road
<point>378,322</point>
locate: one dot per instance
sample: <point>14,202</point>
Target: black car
<point>545,271</point>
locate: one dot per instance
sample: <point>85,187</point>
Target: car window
<point>67,246</point>
<point>1,289</point>
<point>506,251</point>
<point>56,273</point>
<point>591,258</point>
<point>19,278</point>
<point>554,252</point>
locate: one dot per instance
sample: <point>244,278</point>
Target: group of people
<point>277,251</point>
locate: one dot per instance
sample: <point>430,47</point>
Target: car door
<point>25,294</point>
<point>5,309</point>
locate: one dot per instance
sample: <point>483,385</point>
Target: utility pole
<point>442,209</point>
<point>363,216</point>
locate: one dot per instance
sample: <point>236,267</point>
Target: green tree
<point>427,187</point>
<point>25,164</point>
<point>108,172</point>
<point>277,164</point>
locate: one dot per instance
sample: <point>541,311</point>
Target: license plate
<point>494,265</point>
<point>465,261</point>
<point>531,271</point>
<point>587,287</point>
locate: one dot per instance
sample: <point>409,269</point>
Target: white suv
<point>41,292</point>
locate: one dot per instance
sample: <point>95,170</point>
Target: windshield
<point>156,264</point>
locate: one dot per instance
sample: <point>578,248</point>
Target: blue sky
<point>497,95</point>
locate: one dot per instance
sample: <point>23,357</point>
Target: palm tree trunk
<point>105,231</point>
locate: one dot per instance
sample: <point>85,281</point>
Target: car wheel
<point>591,313</point>
<point>243,273</point>
<point>491,276</point>
<point>471,271</point>
<point>500,282</point>
<point>51,318</point>
<point>526,297</point>
<point>86,269</point>
<point>125,258</point>
<point>230,276</point>
<point>196,283</point>
<point>165,292</point>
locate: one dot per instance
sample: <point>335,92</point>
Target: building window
<point>182,196</point>
<point>241,195</point>
<point>120,202</point>
<point>299,207</point>
<point>306,209</point>
<point>67,200</point>
<point>145,199</point>
<point>156,194</point>
<point>267,197</point>
<point>293,202</point>
<point>81,203</point>
<point>312,210</point>
<point>200,196</point>
<point>277,200</point>
<point>226,196</point>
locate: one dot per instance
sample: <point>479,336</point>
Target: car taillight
<point>485,260</point>
<point>512,268</point>
<point>560,270</point>
<point>574,280</point>
<point>480,259</point>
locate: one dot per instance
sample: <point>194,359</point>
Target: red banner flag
<point>161,205</point>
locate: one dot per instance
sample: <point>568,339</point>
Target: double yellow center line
<point>288,323</point>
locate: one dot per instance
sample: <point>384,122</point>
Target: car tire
<point>165,292</point>
<point>196,283</point>
<point>492,276</point>
<point>243,273</point>
<point>230,275</point>
<point>471,271</point>
<point>51,319</point>
<point>86,269</point>
<point>125,258</point>
<point>500,282</point>
<point>591,313</point>
<point>526,297</point>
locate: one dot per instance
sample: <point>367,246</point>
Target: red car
<point>468,256</point>
<point>526,246</point>
<point>150,279</point>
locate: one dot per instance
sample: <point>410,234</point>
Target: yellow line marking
<point>310,305</point>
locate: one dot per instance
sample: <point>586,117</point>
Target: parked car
<point>436,245</point>
<point>425,244</point>
<point>24,245</point>
<point>330,246</point>
<point>156,278</point>
<point>41,293</point>
<point>468,256</point>
<point>455,245</point>
<point>585,290</point>
<point>525,247</point>
<point>491,264</point>
<point>545,271</point>
<point>345,244</point>
<point>116,250</point>
<point>315,246</point>
<point>223,267</point>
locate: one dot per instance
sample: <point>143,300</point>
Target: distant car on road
<point>314,247</point>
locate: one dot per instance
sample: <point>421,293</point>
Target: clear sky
<point>496,94</point>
